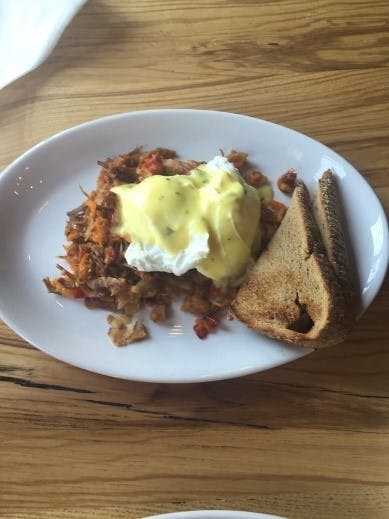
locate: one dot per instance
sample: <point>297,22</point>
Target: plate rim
<point>8,171</point>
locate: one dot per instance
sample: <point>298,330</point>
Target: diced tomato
<point>200,329</point>
<point>152,163</point>
<point>204,325</point>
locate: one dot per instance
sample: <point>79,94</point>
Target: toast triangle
<point>329,216</point>
<point>292,292</point>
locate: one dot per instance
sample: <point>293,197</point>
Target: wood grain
<point>309,439</point>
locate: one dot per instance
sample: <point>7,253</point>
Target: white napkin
<point>29,30</point>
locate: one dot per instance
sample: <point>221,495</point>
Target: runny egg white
<point>207,220</point>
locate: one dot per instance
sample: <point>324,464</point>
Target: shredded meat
<point>179,167</point>
<point>77,223</point>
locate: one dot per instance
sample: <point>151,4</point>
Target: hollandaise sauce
<point>208,220</point>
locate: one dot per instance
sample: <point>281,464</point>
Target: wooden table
<point>309,439</point>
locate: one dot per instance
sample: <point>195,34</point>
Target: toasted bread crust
<point>292,292</point>
<point>326,211</point>
<point>332,227</point>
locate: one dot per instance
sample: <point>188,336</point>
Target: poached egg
<point>206,220</point>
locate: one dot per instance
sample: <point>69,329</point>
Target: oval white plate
<point>214,514</point>
<point>39,187</point>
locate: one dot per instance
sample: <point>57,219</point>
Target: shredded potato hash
<point>98,273</point>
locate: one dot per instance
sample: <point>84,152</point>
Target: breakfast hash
<point>157,228</point>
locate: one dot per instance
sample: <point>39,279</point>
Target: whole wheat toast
<point>329,216</point>
<point>295,291</point>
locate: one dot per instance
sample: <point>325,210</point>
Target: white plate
<point>214,514</point>
<point>39,187</point>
